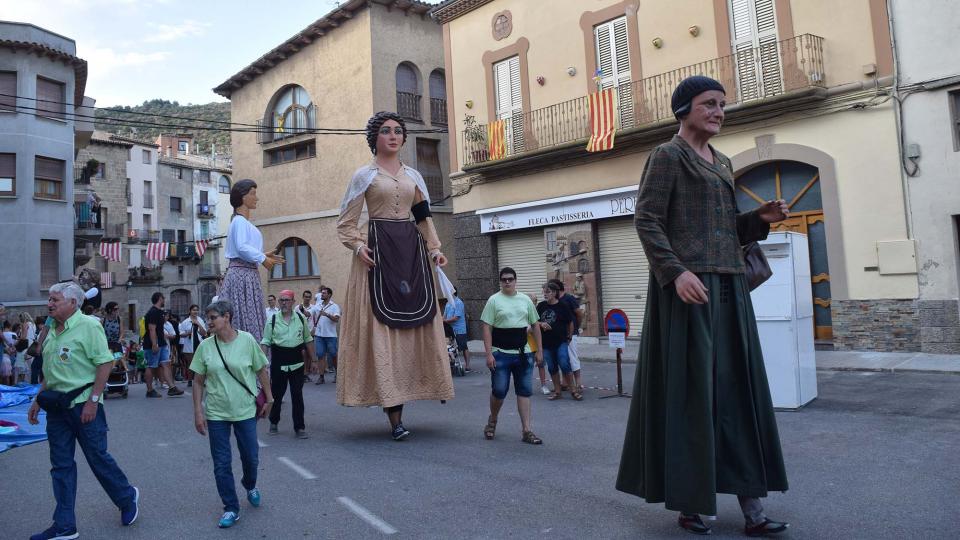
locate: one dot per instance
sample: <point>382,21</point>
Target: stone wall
<point>876,325</point>
<point>476,277</point>
<point>939,326</point>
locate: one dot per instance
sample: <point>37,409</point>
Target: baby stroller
<point>117,382</point>
<point>456,358</point>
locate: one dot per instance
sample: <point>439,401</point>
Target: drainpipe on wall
<point>898,119</point>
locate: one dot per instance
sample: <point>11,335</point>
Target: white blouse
<point>244,241</point>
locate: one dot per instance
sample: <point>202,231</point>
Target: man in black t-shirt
<point>574,305</point>
<point>156,349</point>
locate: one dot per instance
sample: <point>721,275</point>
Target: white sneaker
<point>545,390</point>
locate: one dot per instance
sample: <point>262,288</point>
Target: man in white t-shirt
<point>272,307</point>
<point>324,316</point>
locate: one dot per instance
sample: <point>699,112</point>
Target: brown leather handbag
<point>757,268</point>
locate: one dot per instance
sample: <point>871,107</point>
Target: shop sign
<point>587,207</point>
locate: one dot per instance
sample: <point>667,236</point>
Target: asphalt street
<point>875,456</point>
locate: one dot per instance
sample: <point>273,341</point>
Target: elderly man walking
<point>287,336</point>
<point>77,364</point>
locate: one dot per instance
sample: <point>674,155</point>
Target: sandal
<point>555,396</point>
<point>490,429</point>
<point>577,396</point>
<point>530,438</point>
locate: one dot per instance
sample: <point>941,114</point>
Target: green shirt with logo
<point>71,357</point>
<point>289,335</point>
<point>225,398</point>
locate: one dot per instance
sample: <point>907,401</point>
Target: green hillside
<point>125,121</point>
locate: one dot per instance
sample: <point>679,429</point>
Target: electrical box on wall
<point>897,257</point>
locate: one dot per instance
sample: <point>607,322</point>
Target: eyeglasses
<point>507,279</point>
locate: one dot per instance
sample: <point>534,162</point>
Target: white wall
<point>927,34</point>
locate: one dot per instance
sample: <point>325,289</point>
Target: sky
<point>176,50</point>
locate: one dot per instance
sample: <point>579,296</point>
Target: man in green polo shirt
<point>287,337</point>
<point>76,355</point>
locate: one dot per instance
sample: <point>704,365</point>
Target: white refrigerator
<point>784,309</point>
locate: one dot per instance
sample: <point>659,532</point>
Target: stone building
<point>37,148</point>
<point>362,57</point>
<point>808,119</point>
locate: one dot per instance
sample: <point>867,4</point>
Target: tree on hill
<point>172,117</point>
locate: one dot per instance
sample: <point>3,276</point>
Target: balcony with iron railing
<point>206,211</point>
<point>438,111</point>
<point>300,121</point>
<point>142,236</point>
<point>408,106</point>
<point>144,274</point>
<point>210,270</point>
<point>85,224</point>
<point>789,68</point>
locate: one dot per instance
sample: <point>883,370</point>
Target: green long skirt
<point>701,419</point>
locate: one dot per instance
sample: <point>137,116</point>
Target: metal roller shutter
<point>525,252</point>
<point>623,270</point>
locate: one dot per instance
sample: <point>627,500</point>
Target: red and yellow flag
<point>602,124</point>
<point>496,139</point>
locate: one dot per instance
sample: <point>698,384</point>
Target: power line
<point>253,128</point>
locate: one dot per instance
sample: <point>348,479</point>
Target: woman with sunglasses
<point>392,344</point>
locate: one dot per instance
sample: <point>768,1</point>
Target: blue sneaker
<point>228,519</point>
<point>53,533</point>
<point>129,515</point>
<point>254,497</point>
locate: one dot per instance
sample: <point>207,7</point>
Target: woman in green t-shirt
<point>227,367</point>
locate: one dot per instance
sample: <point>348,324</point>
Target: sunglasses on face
<point>507,279</point>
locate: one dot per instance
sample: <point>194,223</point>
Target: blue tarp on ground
<point>14,428</point>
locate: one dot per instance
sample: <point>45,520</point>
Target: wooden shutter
<point>525,252</point>
<point>49,263</point>
<point>8,90</point>
<point>406,79</point>
<point>50,97</point>
<point>624,271</point>
<point>613,59</point>
<point>755,48</point>
<point>509,100</point>
<point>49,169</point>
<point>438,86</point>
<point>428,164</point>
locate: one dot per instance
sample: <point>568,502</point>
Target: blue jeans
<point>161,357</point>
<point>64,431</point>
<point>557,359</point>
<point>517,365</point>
<point>246,433</point>
<point>325,346</point>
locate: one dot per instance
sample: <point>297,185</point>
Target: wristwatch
<point>95,398</point>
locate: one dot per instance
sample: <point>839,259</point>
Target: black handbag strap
<point>241,383</point>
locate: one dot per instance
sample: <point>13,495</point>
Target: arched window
<point>438,97</point>
<point>291,112</point>
<point>301,261</point>
<point>224,184</point>
<point>408,92</point>
<point>180,302</point>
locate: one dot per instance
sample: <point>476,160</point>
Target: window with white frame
<point>613,61</point>
<point>508,99</point>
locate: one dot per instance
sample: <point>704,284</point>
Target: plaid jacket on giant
<point>687,216</point>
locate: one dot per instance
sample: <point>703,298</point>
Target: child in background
<point>20,367</point>
<point>544,389</point>
<point>136,364</point>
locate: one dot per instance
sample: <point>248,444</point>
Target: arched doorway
<point>179,302</point>
<point>799,184</point>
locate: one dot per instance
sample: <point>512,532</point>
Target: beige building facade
<point>362,57</point>
<point>809,119</point>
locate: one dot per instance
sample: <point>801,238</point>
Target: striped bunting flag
<point>201,247</point>
<point>496,139</point>
<point>157,251</point>
<point>110,251</point>
<point>106,280</point>
<point>602,125</point>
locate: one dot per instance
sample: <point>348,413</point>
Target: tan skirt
<point>379,365</point>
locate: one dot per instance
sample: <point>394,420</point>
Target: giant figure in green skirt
<point>701,420</point>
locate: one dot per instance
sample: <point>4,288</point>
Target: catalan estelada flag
<point>496,139</point>
<point>602,125</point>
